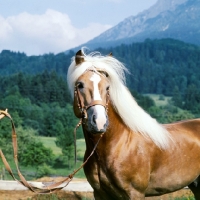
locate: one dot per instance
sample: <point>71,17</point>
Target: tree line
<point>164,66</point>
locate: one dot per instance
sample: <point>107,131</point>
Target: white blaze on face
<point>95,78</point>
<point>99,109</point>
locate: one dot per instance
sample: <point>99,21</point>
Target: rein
<point>48,188</point>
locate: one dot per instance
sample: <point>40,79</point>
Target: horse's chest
<point>103,174</point>
<point>100,176</point>
<point>108,183</point>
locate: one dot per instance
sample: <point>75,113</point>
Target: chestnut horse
<point>136,157</point>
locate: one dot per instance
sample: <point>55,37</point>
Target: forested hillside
<point>166,66</point>
<point>12,63</point>
<point>156,66</point>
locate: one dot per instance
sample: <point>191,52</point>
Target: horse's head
<point>91,98</point>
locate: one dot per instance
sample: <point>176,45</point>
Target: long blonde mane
<point>126,106</point>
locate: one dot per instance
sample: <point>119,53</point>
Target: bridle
<point>83,108</point>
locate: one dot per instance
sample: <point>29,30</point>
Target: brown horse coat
<point>127,166</point>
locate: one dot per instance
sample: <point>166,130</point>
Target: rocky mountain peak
<point>178,19</point>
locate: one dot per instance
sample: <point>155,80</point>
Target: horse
<point>136,157</point>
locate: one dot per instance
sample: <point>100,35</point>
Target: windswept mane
<point>126,106</point>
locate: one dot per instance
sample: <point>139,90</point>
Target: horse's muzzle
<point>97,121</point>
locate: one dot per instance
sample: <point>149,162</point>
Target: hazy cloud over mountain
<point>49,32</point>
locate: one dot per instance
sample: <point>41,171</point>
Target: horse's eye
<point>106,74</point>
<point>108,88</point>
<point>80,85</point>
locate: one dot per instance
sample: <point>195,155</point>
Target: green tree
<point>192,99</point>
<point>36,154</point>
<point>177,98</point>
<point>6,137</point>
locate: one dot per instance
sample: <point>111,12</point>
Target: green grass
<point>80,148</point>
<point>49,142</point>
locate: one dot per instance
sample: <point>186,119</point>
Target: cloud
<point>50,32</point>
<point>5,29</point>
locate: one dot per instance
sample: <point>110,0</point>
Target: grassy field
<point>49,142</point>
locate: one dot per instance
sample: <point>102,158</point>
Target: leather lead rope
<point>75,153</point>
<point>54,187</point>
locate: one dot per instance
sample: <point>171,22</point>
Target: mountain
<point>178,19</point>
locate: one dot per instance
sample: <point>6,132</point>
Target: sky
<point>37,27</point>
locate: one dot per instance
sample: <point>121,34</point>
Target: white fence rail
<point>81,186</point>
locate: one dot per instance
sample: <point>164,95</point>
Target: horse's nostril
<point>94,119</point>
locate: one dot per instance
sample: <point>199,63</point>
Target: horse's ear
<point>79,57</point>
<point>110,54</point>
